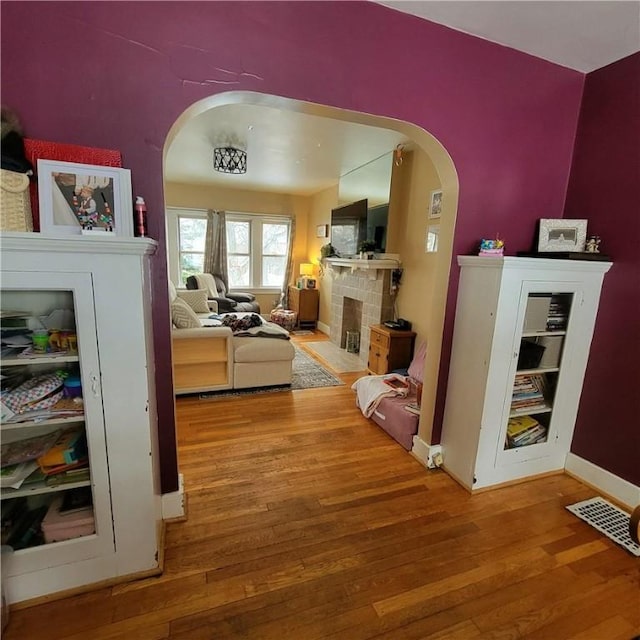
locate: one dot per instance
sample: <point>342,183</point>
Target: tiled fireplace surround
<point>373,303</point>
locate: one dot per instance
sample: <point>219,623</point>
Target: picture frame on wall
<point>83,199</point>
<point>435,204</point>
<point>562,234</point>
<point>322,230</point>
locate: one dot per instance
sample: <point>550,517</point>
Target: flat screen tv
<point>353,223</point>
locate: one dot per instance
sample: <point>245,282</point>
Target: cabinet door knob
<point>95,386</point>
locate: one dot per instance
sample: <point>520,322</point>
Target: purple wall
<point>117,75</point>
<point>605,189</point>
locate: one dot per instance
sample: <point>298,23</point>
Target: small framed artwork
<point>562,235</point>
<point>84,199</point>
<point>431,240</point>
<point>322,230</point>
<point>435,205</point>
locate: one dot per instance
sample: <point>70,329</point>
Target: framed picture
<point>431,240</point>
<point>77,199</point>
<point>322,230</point>
<point>562,235</point>
<point>435,206</point>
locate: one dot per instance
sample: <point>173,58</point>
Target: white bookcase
<point>103,285</point>
<point>501,379</point>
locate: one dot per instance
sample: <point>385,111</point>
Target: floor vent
<point>608,519</point>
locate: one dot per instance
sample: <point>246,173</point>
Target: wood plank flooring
<point>306,521</point>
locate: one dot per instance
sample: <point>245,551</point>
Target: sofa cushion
<point>172,292</point>
<point>183,316</point>
<point>262,349</point>
<point>196,299</point>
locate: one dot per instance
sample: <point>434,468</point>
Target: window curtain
<point>288,272</point>
<point>215,246</point>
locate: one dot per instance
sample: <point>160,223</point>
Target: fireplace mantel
<point>392,261</point>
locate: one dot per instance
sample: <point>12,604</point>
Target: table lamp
<point>306,274</point>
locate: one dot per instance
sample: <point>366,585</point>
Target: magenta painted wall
<point>118,75</point>
<point>605,188</point>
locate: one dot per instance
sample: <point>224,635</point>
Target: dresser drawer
<point>380,340</point>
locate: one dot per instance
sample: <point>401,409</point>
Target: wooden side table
<point>389,349</point>
<point>305,302</point>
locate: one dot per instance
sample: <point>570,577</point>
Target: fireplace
<point>359,299</point>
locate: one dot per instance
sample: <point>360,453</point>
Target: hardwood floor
<point>306,521</point>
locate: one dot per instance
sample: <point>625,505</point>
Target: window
<point>257,250</point>
<point>191,236</point>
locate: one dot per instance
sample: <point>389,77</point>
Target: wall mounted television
<point>355,222</point>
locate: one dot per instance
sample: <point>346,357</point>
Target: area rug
<point>307,374</point>
<point>339,359</point>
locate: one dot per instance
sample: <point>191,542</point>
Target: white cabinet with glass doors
<point>521,343</point>
<point>88,510</point>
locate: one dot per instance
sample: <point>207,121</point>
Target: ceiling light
<point>229,160</point>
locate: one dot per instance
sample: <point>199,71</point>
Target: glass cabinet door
<point>55,488</point>
<point>539,351</point>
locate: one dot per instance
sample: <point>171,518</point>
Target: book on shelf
<point>65,468</point>
<point>524,430</point>
<point>28,449</point>
<point>71,475</point>
<point>13,476</point>
<point>69,447</point>
<point>519,424</point>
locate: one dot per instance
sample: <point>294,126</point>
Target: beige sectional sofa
<point>211,358</point>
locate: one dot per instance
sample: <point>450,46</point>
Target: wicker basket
<point>15,204</point>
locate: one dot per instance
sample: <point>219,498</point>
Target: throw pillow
<point>183,316</point>
<point>196,299</point>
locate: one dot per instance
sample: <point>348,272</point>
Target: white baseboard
<point>173,504</point>
<point>602,480</point>
<point>424,452</point>
<point>325,328</point>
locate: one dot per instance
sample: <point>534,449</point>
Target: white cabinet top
<point>545,264</point>
<point>108,243</point>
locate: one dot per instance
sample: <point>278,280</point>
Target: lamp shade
<point>306,269</point>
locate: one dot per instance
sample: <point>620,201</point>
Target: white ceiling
<point>298,153</point>
<point>287,151</point>
<point>572,33</point>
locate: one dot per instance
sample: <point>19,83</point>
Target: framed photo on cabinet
<point>562,234</point>
<point>83,199</point>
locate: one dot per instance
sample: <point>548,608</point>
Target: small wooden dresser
<point>389,349</point>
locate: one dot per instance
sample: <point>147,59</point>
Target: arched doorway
<point>426,168</point>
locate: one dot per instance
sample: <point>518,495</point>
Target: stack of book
<point>523,431</point>
<point>558,313</point>
<point>528,394</point>
<point>61,455</point>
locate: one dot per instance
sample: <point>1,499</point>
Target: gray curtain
<point>215,245</point>
<point>288,272</point>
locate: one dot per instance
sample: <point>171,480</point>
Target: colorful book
<point>70,446</point>
<point>519,424</point>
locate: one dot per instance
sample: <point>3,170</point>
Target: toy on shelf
<point>491,247</point>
